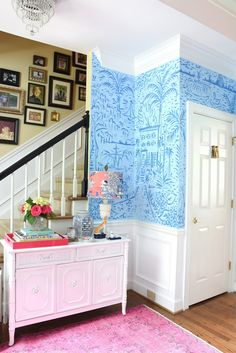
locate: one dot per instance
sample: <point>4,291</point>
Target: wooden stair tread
<point>77,198</point>
<point>60,217</point>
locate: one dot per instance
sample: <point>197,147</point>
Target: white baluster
<point>63,179</point>
<point>12,204</point>
<point>51,198</point>
<point>39,174</point>
<point>75,182</point>
<point>26,181</point>
<point>26,184</point>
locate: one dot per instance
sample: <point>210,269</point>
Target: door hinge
<point>233,139</point>
<point>230,265</point>
<point>232,203</point>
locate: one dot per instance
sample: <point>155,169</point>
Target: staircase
<point>53,165</point>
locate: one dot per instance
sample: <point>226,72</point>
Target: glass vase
<point>40,223</point>
<point>83,223</point>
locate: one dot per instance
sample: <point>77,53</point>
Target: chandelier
<point>34,13</point>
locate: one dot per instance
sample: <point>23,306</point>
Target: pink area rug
<point>140,331</point>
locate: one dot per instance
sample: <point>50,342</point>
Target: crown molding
<point>156,56</point>
<point>178,46</point>
<point>114,61</point>
<point>207,57</point>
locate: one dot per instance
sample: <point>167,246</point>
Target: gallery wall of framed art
<point>38,81</point>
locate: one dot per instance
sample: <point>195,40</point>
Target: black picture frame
<point>9,77</point>
<point>82,94</point>
<point>62,63</point>
<point>60,92</point>
<point>9,130</point>
<point>80,77</point>
<point>39,60</point>
<point>36,93</point>
<point>79,59</point>
<point>35,116</point>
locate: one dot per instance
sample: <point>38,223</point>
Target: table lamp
<point>107,186</point>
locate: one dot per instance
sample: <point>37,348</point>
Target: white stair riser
<point>68,187</point>
<point>80,205</point>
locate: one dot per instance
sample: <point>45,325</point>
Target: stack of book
<point>26,234</point>
<point>27,238</point>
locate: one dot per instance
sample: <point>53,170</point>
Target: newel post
<point>85,179</point>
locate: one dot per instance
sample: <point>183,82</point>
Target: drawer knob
<point>35,290</point>
<point>101,251</point>
<point>74,284</point>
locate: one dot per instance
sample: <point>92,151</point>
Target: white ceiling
<point>129,27</point>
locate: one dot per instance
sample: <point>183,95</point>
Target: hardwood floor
<point>213,320</point>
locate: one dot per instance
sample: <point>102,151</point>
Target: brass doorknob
<point>195,220</point>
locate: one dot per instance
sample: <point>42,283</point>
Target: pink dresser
<point>47,283</point>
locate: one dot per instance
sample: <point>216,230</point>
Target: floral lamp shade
<point>105,185</point>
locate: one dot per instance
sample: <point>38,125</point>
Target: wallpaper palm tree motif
<point>158,146</point>
<point>112,133</point>
<point>139,127</point>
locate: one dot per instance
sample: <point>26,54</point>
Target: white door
<point>210,206</point>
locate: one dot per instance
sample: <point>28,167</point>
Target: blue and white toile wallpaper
<point>112,134</point>
<point>158,128</point>
<point>138,127</point>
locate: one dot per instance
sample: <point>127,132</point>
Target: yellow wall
<point>16,54</point>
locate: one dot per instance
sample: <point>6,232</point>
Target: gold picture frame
<point>12,100</point>
<point>37,75</point>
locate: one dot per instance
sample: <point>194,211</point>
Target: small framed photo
<point>60,92</point>
<point>35,116</point>
<point>36,94</point>
<point>37,75</point>
<point>61,63</point>
<point>80,77</point>
<point>79,59</point>
<point>9,77</point>
<point>9,129</point>
<point>39,60</point>
<point>11,100</point>
<point>82,93</point>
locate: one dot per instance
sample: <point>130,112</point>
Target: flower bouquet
<point>34,210</point>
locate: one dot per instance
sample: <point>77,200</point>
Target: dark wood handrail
<point>82,123</point>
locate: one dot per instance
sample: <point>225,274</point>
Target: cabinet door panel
<point>108,276</point>
<point>73,285</point>
<point>34,292</point>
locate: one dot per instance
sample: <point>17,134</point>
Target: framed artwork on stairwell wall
<point>9,130</point>
<point>62,63</point>
<point>36,93</point>
<point>80,77</point>
<point>79,59</point>
<point>37,75</point>
<point>9,77</point>
<point>82,93</point>
<point>35,116</point>
<point>11,100</point>
<point>60,93</point>
<point>39,60</point>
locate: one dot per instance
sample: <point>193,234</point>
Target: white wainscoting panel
<point>156,261</point>
<point>158,256</point>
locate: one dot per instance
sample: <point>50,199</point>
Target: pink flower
<point>36,210</point>
<point>22,209</point>
<point>46,209</point>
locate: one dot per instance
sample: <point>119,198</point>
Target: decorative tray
<point>39,243</point>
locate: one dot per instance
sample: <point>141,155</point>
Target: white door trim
<point>192,108</point>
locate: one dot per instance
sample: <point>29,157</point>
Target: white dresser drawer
<point>99,251</point>
<point>46,257</point>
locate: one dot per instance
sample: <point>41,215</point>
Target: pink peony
<point>36,210</point>
<point>46,209</point>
